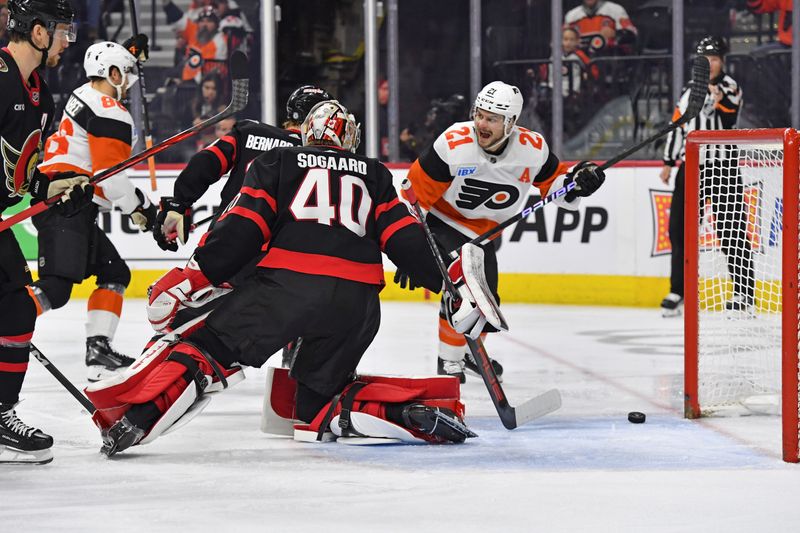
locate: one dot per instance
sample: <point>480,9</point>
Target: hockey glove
<point>74,189</point>
<point>172,291</point>
<point>404,280</point>
<point>144,215</point>
<point>587,177</point>
<point>138,47</point>
<point>172,222</point>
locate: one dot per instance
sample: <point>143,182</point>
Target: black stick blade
<point>240,81</point>
<point>698,88</point>
<point>238,66</point>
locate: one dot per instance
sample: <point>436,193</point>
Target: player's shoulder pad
<point>527,147</point>
<point>457,144</point>
<point>103,105</point>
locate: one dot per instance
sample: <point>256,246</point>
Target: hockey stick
<point>510,416</point>
<point>698,88</point>
<point>238,102</point>
<point>148,136</point>
<point>84,401</point>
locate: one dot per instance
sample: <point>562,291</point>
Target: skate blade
<point>13,456</point>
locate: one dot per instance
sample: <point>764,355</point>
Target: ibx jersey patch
<point>19,165</point>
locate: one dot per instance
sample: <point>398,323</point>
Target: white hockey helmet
<point>100,57</point>
<point>503,99</point>
<point>329,123</point>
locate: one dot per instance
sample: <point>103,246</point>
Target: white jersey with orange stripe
<point>472,190</point>
<point>95,133</point>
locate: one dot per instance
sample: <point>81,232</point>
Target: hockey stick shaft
<point>148,136</point>
<point>698,88</point>
<point>238,102</point>
<point>484,364</point>
<point>67,384</point>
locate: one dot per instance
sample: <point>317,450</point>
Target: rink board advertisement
<point>614,250</point>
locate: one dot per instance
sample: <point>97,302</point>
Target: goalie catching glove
<point>172,222</point>
<point>587,177</point>
<point>74,189</point>
<point>474,309</point>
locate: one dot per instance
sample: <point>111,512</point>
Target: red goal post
<point>741,357</point>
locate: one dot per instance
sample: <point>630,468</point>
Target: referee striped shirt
<point>721,115</point>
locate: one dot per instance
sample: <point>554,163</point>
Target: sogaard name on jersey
<point>256,142</point>
<point>331,163</point>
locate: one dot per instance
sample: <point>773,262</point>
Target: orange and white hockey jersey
<point>472,190</point>
<point>589,22</point>
<point>95,133</point>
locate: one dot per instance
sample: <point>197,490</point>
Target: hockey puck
<point>635,417</point>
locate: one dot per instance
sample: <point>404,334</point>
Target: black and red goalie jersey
<point>318,210</point>
<point>26,110</point>
<point>232,153</point>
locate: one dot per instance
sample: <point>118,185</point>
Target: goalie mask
<point>329,123</point>
<point>100,57</point>
<point>502,99</point>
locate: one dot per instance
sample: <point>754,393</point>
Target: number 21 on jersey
<point>313,201</point>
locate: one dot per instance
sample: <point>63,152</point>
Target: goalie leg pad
<point>359,412</point>
<point>163,375</point>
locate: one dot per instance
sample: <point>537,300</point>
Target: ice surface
<point>583,468</point>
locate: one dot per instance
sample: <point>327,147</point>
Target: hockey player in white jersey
<point>95,133</point>
<point>476,175</point>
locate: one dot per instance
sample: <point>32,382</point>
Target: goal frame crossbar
<point>789,139</point>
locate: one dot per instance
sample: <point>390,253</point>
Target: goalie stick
<point>84,401</point>
<point>511,417</point>
<point>698,87</point>
<point>239,75</point>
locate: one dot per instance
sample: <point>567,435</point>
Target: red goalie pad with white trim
<point>374,393</point>
<point>157,375</point>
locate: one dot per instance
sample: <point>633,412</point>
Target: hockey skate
<point>20,443</point>
<point>102,361</point>
<point>472,366</point>
<point>437,421</point>
<point>121,436</point>
<point>451,368</point>
<point>672,305</point>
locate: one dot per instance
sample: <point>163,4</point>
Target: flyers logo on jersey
<point>476,193</point>
<point>20,164</point>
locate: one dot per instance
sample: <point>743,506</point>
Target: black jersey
<point>322,211</point>
<point>26,111</point>
<point>232,153</point>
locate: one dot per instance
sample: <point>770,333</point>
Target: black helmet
<point>712,46</point>
<point>23,14</point>
<point>302,100</point>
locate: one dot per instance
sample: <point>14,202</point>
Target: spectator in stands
<point>442,113</point>
<point>604,27</point>
<point>208,100</point>
<point>204,42</point>
<point>383,118</point>
<point>3,24</point>
<point>577,65</point>
<point>224,127</point>
<point>784,9</point>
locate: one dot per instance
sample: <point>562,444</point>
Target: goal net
<point>741,277</point>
